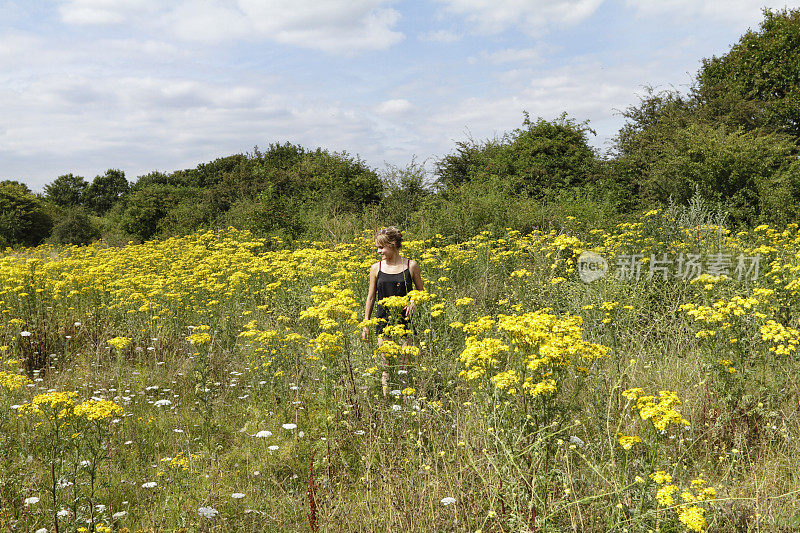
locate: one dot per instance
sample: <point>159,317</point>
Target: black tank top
<point>391,285</point>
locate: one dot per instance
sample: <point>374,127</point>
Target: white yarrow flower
<point>25,333</point>
<point>448,500</point>
<point>263,434</point>
<point>160,403</point>
<point>149,485</point>
<point>119,514</point>
<point>289,426</point>
<point>32,500</point>
<point>208,512</point>
<point>237,495</point>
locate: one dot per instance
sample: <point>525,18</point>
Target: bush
<point>23,217</point>
<point>540,156</point>
<point>757,177</point>
<point>74,227</point>
<point>146,207</point>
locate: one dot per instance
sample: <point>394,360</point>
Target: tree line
<point>733,139</point>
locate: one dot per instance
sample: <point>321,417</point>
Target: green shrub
<point>74,227</point>
<point>24,219</point>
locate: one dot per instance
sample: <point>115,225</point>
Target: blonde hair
<point>390,235</point>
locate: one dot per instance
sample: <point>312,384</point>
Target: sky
<point>144,85</point>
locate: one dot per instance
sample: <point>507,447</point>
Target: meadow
<point>218,382</point>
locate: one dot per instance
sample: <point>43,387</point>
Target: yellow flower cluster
<point>199,339</point>
<point>389,348</point>
<point>784,340</point>
<point>627,441</point>
<point>97,409</point>
<point>394,302</point>
<point>333,305</point>
<point>480,355</point>
<point>327,344</point>
<point>119,343</point>
<point>728,364</point>
<point>538,343</point>
<point>721,311</point>
<point>182,461</point>
<point>660,410</point>
<point>49,403</point>
<point>12,381</point>
<point>420,297</point>
<point>688,511</point>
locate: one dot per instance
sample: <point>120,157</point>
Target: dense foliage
<point>757,83</point>
<point>539,157</point>
<point>23,217</point>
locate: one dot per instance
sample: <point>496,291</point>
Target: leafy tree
<point>106,190</point>
<point>338,180</point>
<point>756,176</point>
<point>406,191</point>
<point>757,83</point>
<point>733,137</point>
<point>650,129</point>
<point>17,184</point>
<point>146,207</point>
<point>23,217</point>
<point>540,156</point>
<point>459,167</point>
<point>66,190</point>
<point>74,227</point>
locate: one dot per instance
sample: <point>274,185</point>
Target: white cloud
<point>511,55</point>
<point>335,26</point>
<point>394,107</point>
<point>737,11</point>
<point>440,36</point>
<point>17,49</point>
<point>584,90</point>
<point>102,12</point>
<point>531,16</point>
<point>85,125</point>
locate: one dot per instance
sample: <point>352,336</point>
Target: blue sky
<point>142,85</point>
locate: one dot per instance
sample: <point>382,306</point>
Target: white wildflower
<point>208,512</point>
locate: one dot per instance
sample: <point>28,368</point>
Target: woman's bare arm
<point>416,276</point>
<point>373,280</point>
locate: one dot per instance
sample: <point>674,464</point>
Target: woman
<point>393,275</point>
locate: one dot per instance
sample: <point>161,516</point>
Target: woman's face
<point>386,252</point>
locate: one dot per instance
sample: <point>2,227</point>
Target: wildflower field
<point>218,382</point>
